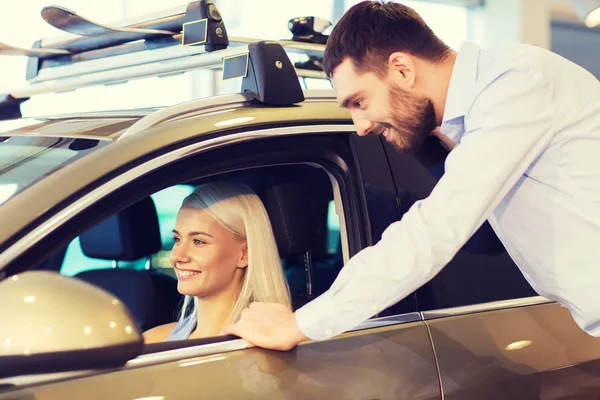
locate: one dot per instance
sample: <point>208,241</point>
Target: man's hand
<point>268,325</point>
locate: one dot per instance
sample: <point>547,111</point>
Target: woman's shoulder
<point>159,333</point>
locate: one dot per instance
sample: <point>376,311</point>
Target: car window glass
<point>26,159</point>
<point>167,203</point>
<point>76,261</point>
<point>333,228</point>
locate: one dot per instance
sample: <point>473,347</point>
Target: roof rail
<point>197,105</point>
<point>210,104</point>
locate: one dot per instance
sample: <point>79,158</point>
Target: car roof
<point>114,124</point>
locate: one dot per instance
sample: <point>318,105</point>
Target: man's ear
<point>401,67</point>
<point>243,261</point>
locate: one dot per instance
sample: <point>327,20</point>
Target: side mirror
<point>53,323</point>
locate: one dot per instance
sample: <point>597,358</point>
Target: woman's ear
<point>243,261</point>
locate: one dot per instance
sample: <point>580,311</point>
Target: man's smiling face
<point>379,105</point>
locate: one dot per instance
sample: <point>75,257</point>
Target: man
<point>525,127</point>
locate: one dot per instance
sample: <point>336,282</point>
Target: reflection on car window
<point>26,159</point>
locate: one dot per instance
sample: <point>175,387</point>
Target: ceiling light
<point>588,11</point>
<point>518,345</point>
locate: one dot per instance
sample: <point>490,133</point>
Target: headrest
<point>134,288</point>
<point>285,202</point>
<point>129,235</point>
<point>283,194</point>
<point>151,296</point>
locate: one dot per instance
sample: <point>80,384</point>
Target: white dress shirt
<point>527,124</point>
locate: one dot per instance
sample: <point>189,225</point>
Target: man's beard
<point>413,119</point>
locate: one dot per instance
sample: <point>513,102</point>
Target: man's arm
<point>507,128</point>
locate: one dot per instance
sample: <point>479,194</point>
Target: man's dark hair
<point>372,30</point>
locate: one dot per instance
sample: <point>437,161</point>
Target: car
<point>88,201</point>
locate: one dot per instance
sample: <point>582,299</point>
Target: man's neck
<point>437,84</point>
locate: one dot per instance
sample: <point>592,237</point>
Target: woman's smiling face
<point>208,258</point>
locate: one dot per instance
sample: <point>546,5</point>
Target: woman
<point>225,257</point>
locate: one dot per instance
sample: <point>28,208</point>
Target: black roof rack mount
<point>271,75</point>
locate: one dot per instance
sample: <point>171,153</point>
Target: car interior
<point>127,253</point>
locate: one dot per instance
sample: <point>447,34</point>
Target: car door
<point>493,336</point>
<point>387,357</point>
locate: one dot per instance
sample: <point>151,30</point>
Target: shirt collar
<point>462,81</point>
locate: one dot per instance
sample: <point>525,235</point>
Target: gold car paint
<point>379,363</point>
<point>525,352</point>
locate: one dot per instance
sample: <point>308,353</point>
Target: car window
<point>333,228</point>
<point>76,261</point>
<point>167,203</point>
<point>482,271</point>
<point>26,159</point>
<point>127,253</point>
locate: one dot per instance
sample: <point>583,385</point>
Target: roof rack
<point>173,41</point>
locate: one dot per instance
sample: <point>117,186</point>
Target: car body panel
<point>394,362</point>
<point>536,351</point>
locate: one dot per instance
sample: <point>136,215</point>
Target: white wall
<point>511,21</point>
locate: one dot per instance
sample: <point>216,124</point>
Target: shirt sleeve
<point>507,127</point>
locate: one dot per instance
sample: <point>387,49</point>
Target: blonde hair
<point>239,210</point>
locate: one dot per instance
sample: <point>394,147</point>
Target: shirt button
<point>329,332</point>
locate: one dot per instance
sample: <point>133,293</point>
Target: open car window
<point>142,277</point>
<point>127,253</point>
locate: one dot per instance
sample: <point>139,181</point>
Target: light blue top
<point>183,329</point>
<point>527,123</point>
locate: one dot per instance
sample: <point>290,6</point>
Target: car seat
<point>133,233</point>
